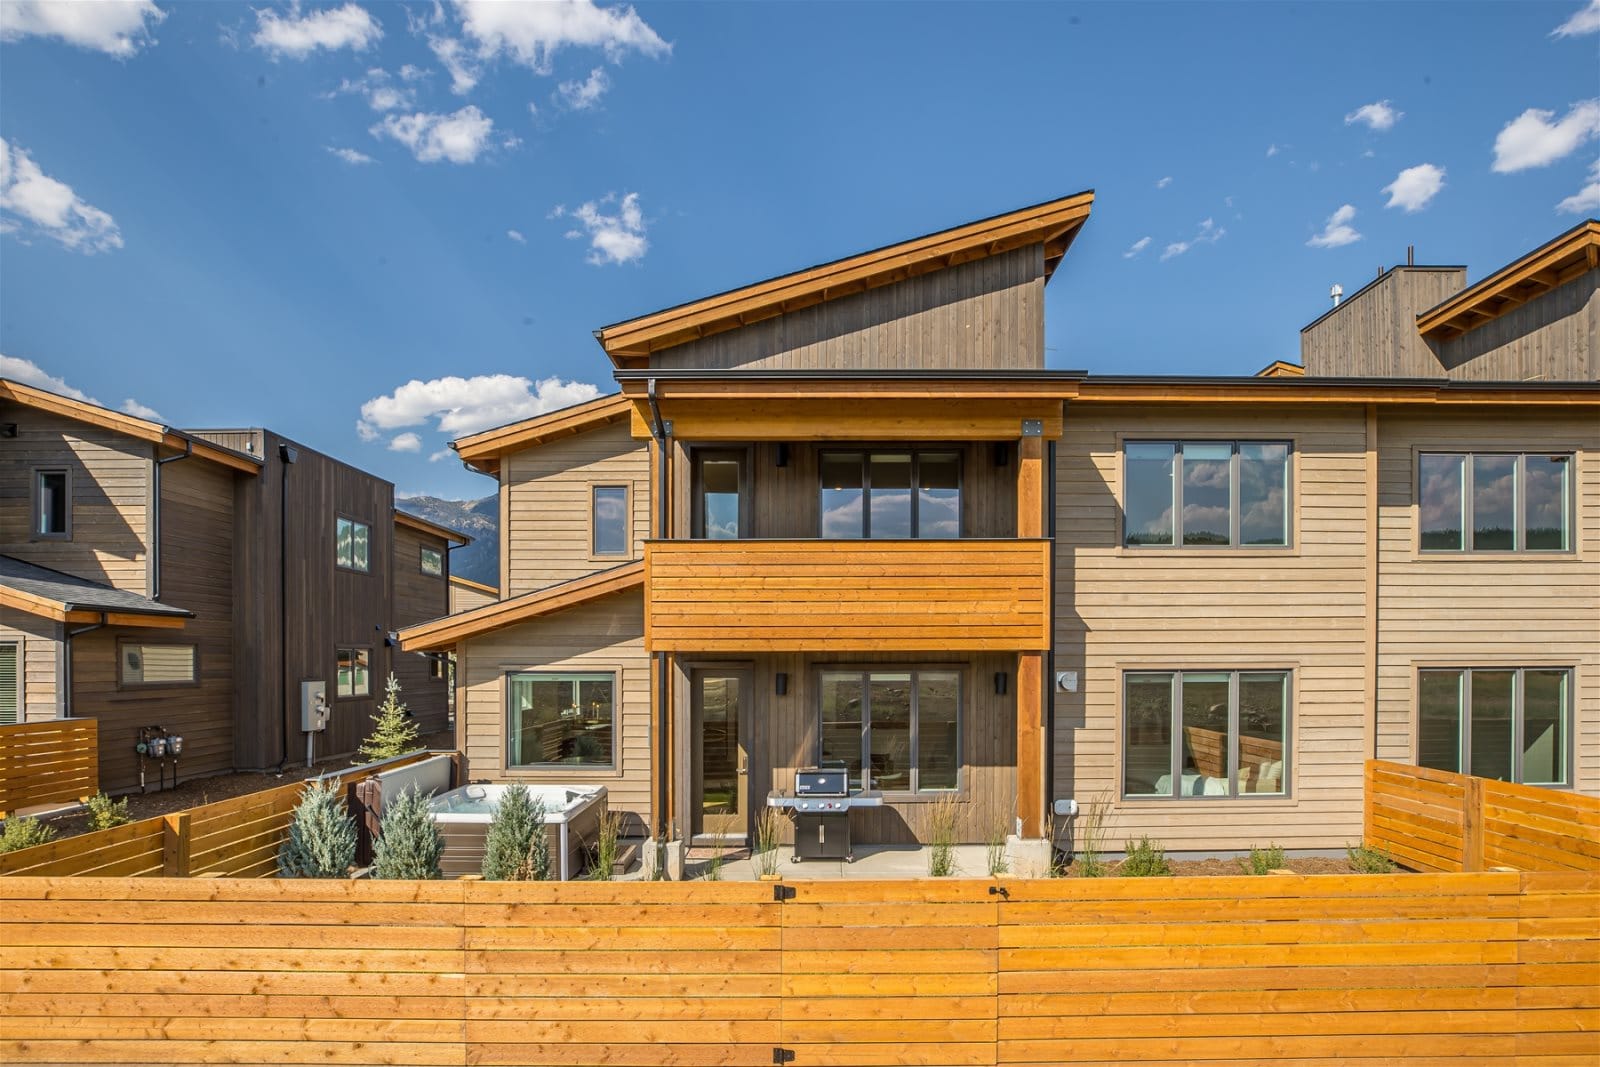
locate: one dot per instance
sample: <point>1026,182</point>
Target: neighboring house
<point>848,516</point>
<point>188,580</point>
<point>466,594</point>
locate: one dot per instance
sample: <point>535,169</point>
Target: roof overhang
<point>1053,224</point>
<point>1281,368</point>
<point>482,451</point>
<point>477,587</point>
<point>1302,390</point>
<point>432,529</point>
<point>1569,256</point>
<point>71,612</point>
<point>142,429</point>
<point>445,633</point>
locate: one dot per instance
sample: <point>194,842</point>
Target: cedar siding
<point>39,663</point>
<point>1374,334</point>
<point>1554,337</point>
<point>419,597</point>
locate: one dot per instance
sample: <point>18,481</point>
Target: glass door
<point>722,765</point>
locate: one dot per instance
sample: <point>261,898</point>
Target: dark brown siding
<point>419,597</point>
<point>1555,337</point>
<point>1374,333</point>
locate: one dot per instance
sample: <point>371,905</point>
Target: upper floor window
<point>1205,733</point>
<point>1496,722</point>
<point>609,520</point>
<point>351,540</point>
<point>432,562</point>
<point>891,494</point>
<point>1494,502</point>
<point>719,495</point>
<point>158,664</point>
<point>52,504</point>
<point>901,730</point>
<point>1206,494</point>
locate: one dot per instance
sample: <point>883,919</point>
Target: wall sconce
<point>1000,683</point>
<point>783,684</point>
<point>783,453</point>
<point>1002,455</point>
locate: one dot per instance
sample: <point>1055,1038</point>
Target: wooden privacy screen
<point>1468,968</point>
<point>56,762</point>
<point>1437,821</point>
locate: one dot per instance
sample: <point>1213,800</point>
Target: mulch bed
<point>1218,867</point>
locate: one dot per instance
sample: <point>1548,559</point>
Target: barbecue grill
<point>821,804</point>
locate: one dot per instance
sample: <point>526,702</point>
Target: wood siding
<point>546,498</point>
<point>1374,333</point>
<point>606,635</point>
<point>1300,609</point>
<point>1554,337</point>
<point>985,314</point>
<point>1486,609</point>
<point>109,475</point>
<point>846,596</point>
<point>39,663</point>
<point>420,597</point>
<point>465,598</point>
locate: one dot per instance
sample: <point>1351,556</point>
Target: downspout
<point>66,653</point>
<point>155,519</point>
<point>1050,653</point>
<point>286,456</point>
<point>662,432</point>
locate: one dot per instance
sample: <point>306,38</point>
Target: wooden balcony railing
<point>847,596</point>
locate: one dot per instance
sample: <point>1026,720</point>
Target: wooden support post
<point>1472,825</point>
<point>1030,665</point>
<point>175,845</point>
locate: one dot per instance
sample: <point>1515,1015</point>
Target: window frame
<point>124,644</point>
<point>337,694</point>
<point>35,504</point>
<point>627,521</point>
<point>1518,717</point>
<point>1519,509</point>
<point>1290,525</point>
<point>18,704</point>
<point>1175,756</point>
<point>916,454</point>
<point>422,561</point>
<point>864,674</point>
<point>576,677</point>
<point>697,520</point>
<point>351,566</point>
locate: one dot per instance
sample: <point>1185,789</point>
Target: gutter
<point>661,431</point>
<point>155,521</point>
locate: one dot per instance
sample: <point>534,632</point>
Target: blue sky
<point>313,217</point>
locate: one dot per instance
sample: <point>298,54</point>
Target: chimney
<point>1336,293</point>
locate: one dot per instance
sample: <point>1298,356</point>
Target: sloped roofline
<point>445,633</point>
<point>468,583</point>
<point>421,525</point>
<point>1555,263</point>
<point>482,451</point>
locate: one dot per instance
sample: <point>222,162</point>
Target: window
<point>718,491</point>
<point>562,720</point>
<point>902,728</point>
<point>157,664</point>
<point>10,683</point>
<point>610,520</point>
<point>1513,724</point>
<point>52,504</point>
<point>1499,502</point>
<point>1206,494</point>
<point>352,539</point>
<point>891,494</point>
<point>354,673</point>
<point>1205,733</point>
<point>436,666</point>
<point>432,562</point>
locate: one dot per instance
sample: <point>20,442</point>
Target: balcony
<point>847,596</point>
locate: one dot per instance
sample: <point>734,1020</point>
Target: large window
<point>561,720</point>
<point>1513,724</point>
<point>52,504</point>
<point>609,520</point>
<point>1205,733</point>
<point>1206,494</point>
<point>891,494</point>
<point>353,677</point>
<point>351,542</point>
<point>718,495</point>
<point>10,683</point>
<point>897,731</point>
<point>1494,502</point>
<point>157,664</point>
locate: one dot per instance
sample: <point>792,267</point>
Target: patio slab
<point>871,862</point>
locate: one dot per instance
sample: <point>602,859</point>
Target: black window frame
<point>1234,514</point>
<point>866,453</point>
<point>1519,723</point>
<point>338,656</point>
<point>1175,757</point>
<point>576,677</point>
<point>864,675</point>
<point>626,551</point>
<point>1519,508</point>
<point>36,504</point>
<point>366,565</point>
<point>697,520</point>
<point>422,562</point>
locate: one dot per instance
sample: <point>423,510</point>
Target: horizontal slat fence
<point>1362,970</point>
<point>54,762</point>
<point>1432,820</point>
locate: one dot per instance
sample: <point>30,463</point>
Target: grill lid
<point>821,782</point>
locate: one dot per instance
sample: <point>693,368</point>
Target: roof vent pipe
<point>1336,293</point>
<point>1411,255</point>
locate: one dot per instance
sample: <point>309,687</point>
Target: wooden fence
<point>1361,970</point>
<point>236,838</point>
<point>1437,821</point>
<point>55,762</point>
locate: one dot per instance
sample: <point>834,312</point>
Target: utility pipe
<point>662,432</point>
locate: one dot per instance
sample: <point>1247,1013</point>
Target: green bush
<point>409,844</point>
<point>322,836</point>
<point>1364,860</point>
<point>1263,860</point>
<point>944,821</point>
<point>24,833</point>
<point>1146,859</point>
<point>516,848</point>
<point>394,733</point>
<point>104,813</point>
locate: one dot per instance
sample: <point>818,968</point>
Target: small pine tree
<point>394,733</point>
<point>409,844</point>
<point>322,836</point>
<point>24,833</point>
<point>516,848</point>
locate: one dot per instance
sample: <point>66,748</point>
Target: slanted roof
<point>143,429</point>
<point>1281,368</point>
<point>477,587</point>
<point>441,634</point>
<point>482,451</point>
<point>1574,253</point>
<point>1053,224</point>
<point>67,598</point>
<point>433,529</point>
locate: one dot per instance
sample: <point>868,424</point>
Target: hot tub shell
<point>571,823</point>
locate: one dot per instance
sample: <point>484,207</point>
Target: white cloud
<point>516,235</point>
<point>1415,187</point>
<point>29,373</point>
<point>31,199</point>
<point>412,73</point>
<point>1164,182</point>
<point>443,453</point>
<point>1176,248</point>
<point>1532,140</point>
<point>1338,231</point>
<point>464,69</point>
<point>143,411</point>
<point>459,138</point>
<point>1585,201</point>
<point>583,95</point>
<point>350,155</point>
<point>379,89</point>
<point>1138,246</point>
<point>1272,150</point>
<point>1585,21</point>
<point>461,406</point>
<point>615,238</point>
<point>297,36</point>
<point>1378,116</point>
<point>116,27</point>
<point>531,34</point>
<point>405,442</point>
<point>1209,233</point>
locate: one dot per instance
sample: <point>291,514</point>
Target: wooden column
<point>175,845</point>
<point>1030,665</point>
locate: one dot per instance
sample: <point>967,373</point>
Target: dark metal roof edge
<point>1462,267</point>
<point>772,374</point>
<point>1449,384</point>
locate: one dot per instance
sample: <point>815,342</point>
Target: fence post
<point>1472,825</point>
<point>175,845</point>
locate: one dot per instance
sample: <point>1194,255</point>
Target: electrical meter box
<point>314,709</point>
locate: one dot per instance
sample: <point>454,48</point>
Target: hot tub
<point>572,817</point>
